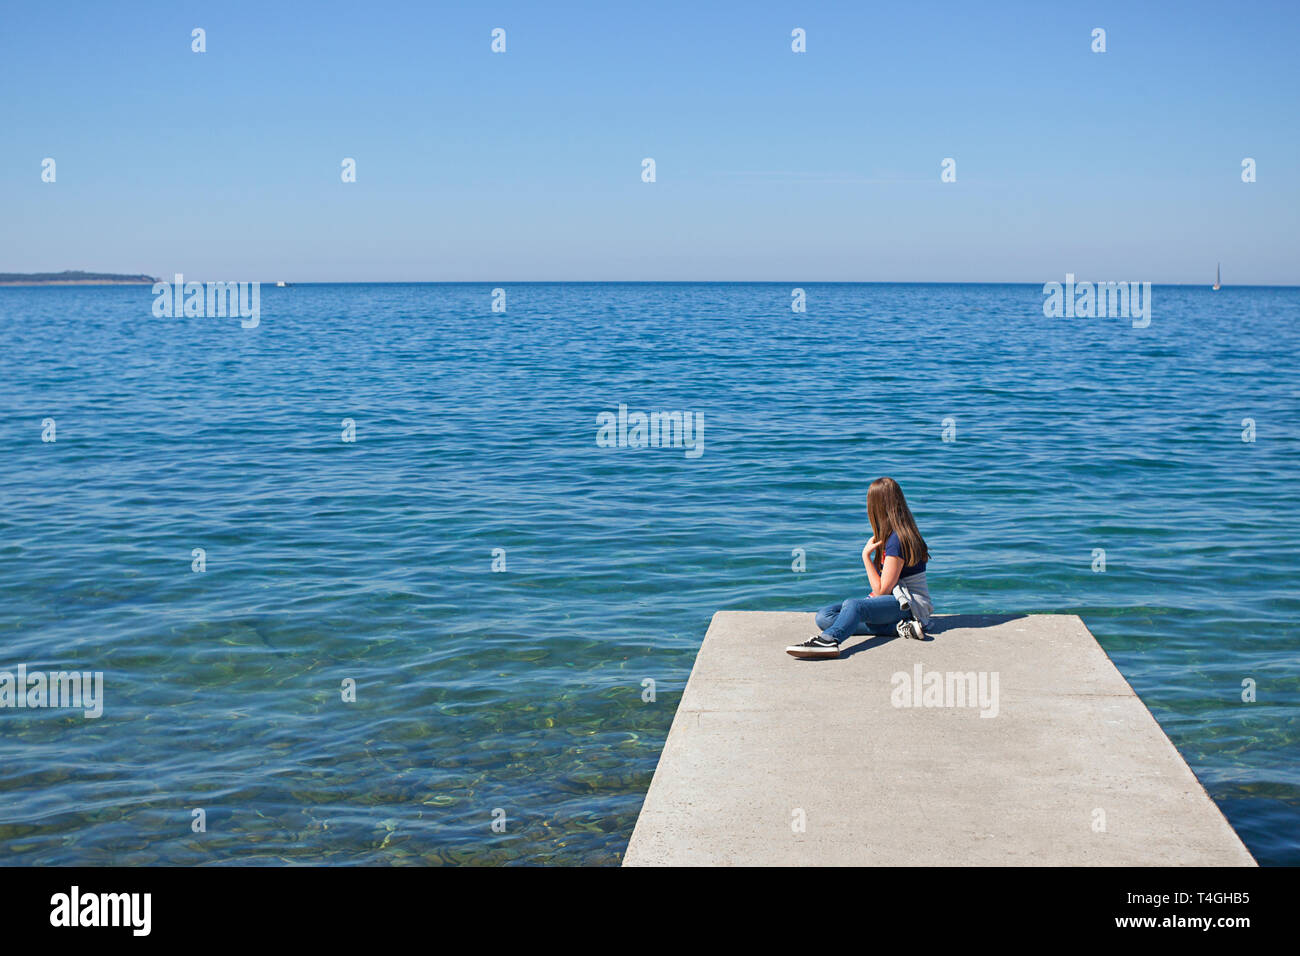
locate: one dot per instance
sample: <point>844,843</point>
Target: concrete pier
<point>777,761</point>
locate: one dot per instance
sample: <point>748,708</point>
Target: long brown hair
<point>888,513</point>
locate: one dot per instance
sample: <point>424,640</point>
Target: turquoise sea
<point>521,691</point>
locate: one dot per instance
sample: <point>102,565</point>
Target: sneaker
<point>911,629</point>
<point>814,647</point>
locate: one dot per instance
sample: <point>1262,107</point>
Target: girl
<point>895,560</point>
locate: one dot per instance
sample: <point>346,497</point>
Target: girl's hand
<point>871,546</point>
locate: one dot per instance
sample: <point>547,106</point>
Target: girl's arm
<point>891,569</point>
<point>887,580</point>
<point>871,568</point>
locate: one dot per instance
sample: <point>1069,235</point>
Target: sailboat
<point>1216,285</point>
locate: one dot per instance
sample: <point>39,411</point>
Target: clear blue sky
<point>771,165</point>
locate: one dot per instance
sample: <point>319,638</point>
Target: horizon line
<point>780,282</point>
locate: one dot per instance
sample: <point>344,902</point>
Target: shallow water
<point>522,690</point>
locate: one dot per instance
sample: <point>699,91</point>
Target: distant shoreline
<point>74,277</point>
<point>30,282</point>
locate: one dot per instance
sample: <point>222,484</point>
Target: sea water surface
<point>521,694</point>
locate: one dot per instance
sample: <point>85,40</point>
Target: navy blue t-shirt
<point>894,549</point>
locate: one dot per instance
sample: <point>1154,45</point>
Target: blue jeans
<point>877,615</point>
